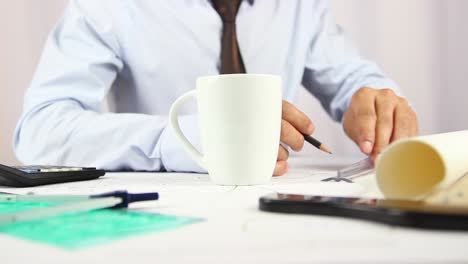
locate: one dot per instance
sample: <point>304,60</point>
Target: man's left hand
<point>375,118</point>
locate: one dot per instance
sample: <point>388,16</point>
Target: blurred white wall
<point>422,44</point>
<point>24,25</point>
<point>419,43</point>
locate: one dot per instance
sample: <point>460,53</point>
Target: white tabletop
<point>235,231</point>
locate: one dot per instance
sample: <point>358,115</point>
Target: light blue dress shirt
<point>142,55</point>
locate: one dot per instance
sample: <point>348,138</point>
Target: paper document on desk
<point>416,167</point>
<point>310,182</point>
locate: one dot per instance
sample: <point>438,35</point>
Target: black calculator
<point>29,176</point>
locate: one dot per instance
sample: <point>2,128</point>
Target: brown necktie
<point>231,60</point>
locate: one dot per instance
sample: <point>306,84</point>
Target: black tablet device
<point>395,212</point>
<point>28,176</point>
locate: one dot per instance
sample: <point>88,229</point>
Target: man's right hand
<point>293,123</point>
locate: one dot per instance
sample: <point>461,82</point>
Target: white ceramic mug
<point>240,123</point>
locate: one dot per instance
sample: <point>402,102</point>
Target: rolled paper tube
<point>414,167</point>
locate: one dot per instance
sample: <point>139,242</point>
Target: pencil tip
<point>326,149</point>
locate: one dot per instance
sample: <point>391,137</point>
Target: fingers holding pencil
<point>293,124</point>
<point>295,130</point>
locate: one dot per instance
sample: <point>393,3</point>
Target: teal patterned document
<point>75,231</point>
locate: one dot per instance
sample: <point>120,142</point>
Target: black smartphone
<point>394,212</point>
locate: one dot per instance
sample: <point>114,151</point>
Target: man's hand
<point>376,118</point>
<point>293,123</point>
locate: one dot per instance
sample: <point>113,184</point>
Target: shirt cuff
<point>173,155</point>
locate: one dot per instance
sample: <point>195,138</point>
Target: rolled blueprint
<point>415,167</point>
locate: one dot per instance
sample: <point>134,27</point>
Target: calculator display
<point>44,169</point>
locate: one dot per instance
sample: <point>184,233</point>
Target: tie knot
<point>227,9</point>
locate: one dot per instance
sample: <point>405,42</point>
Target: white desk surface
<point>235,231</point>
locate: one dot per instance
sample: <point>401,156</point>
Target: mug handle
<point>173,116</point>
